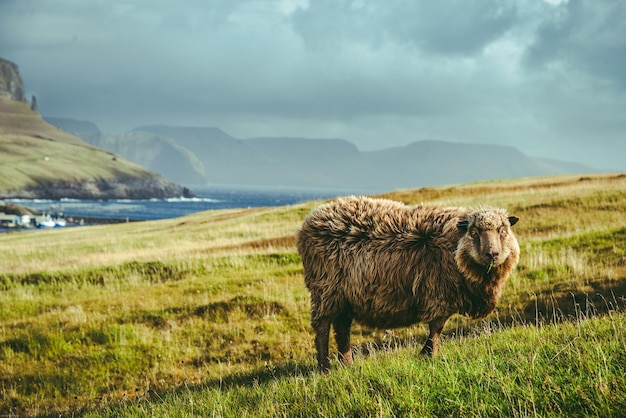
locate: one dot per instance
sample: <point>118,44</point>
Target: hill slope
<point>39,160</point>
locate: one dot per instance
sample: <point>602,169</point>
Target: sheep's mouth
<point>491,262</point>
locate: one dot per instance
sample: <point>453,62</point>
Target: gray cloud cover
<point>545,76</point>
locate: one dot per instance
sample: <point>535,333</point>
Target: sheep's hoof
<point>346,358</point>
<point>323,368</point>
<point>427,351</point>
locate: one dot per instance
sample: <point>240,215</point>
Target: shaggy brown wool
<point>388,265</point>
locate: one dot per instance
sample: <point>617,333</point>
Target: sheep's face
<point>488,239</point>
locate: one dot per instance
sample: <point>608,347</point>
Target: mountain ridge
<point>219,158</point>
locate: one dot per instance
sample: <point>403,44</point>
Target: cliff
<point>38,160</point>
<point>99,189</point>
<point>11,85</point>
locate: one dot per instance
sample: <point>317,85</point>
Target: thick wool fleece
<point>389,265</point>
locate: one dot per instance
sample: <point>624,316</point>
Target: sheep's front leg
<point>342,325</point>
<point>322,330</point>
<point>436,326</point>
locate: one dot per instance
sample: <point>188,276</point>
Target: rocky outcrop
<point>11,85</point>
<point>118,188</point>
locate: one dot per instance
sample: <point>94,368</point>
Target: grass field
<point>207,315</point>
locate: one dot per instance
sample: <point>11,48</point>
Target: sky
<point>547,77</point>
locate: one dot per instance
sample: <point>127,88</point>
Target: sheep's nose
<point>492,255</point>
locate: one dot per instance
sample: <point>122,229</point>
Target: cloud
<point>543,76</point>
<point>453,27</point>
<point>588,37</point>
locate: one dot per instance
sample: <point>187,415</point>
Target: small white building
<point>9,221</point>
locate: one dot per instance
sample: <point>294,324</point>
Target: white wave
<point>192,199</point>
<point>30,200</point>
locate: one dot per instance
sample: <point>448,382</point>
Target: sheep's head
<point>487,243</point>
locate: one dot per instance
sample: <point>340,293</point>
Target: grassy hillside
<point>36,158</point>
<point>27,161</point>
<point>16,118</point>
<point>208,315</point>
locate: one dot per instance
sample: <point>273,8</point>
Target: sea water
<point>151,209</point>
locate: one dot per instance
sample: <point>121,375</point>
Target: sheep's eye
<point>503,231</point>
<point>473,233</point>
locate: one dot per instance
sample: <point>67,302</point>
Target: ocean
<point>206,199</point>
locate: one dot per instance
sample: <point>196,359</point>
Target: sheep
<point>387,265</point>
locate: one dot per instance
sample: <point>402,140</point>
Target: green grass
<point>571,369</point>
<point>208,315</point>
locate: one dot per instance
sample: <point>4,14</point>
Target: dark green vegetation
<point>11,209</point>
<point>573,369</point>
<point>208,315</point>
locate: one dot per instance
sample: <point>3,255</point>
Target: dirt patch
<point>253,307</point>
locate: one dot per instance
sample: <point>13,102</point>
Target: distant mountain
<point>158,153</point>
<point>208,155</point>
<point>87,131</point>
<point>439,162</point>
<point>564,166</point>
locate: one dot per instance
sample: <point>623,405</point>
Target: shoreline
<point>72,222</point>
<point>98,220</point>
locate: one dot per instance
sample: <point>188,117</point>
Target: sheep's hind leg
<point>342,325</point>
<point>322,331</point>
<point>432,343</point>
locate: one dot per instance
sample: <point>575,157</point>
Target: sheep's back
<point>378,221</point>
<point>385,259</point>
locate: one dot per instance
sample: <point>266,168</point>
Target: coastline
<point>77,212</point>
<point>71,222</point>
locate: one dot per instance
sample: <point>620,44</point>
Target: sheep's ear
<point>513,220</point>
<point>464,224</point>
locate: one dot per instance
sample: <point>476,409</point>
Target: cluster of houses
<point>8,220</point>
